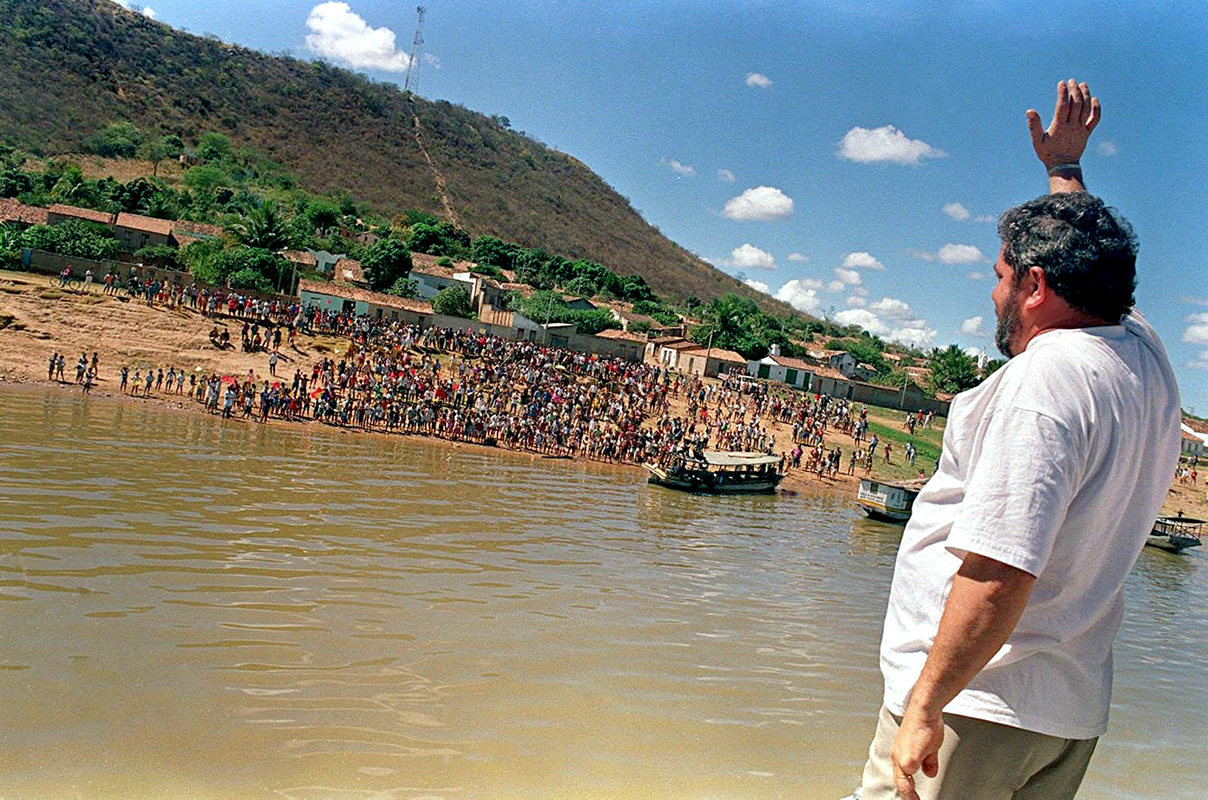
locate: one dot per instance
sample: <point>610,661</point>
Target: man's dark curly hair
<point>1087,250</point>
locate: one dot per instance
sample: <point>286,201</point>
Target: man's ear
<point>1036,284</point>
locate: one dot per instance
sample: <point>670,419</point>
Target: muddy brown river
<point>193,608</point>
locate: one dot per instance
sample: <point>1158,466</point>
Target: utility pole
<point>413,65</point>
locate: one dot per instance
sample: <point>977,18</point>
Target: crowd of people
<point>465,385</point>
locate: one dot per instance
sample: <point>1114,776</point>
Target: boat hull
<point>702,485</point>
<point>1171,544</point>
<point>884,514</point>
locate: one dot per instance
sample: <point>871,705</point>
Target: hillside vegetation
<point>73,66</point>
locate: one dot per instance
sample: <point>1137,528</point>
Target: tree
<point>953,370</point>
<point>261,226</point>
<point>159,255</point>
<point>72,238</point>
<point>426,238</point>
<point>384,262</point>
<point>582,286</point>
<point>217,265</point>
<point>205,178</point>
<point>453,301</point>
<point>156,150</point>
<point>115,140</point>
<point>213,147</point>
<point>489,250</point>
<point>404,287</point>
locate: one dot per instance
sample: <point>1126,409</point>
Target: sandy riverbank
<point>37,319</point>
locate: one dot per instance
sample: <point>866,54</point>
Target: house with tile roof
<point>58,213</point>
<point>14,212</point>
<point>711,361</point>
<point>136,231</point>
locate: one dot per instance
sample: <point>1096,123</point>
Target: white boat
<point>1176,534</point>
<point>888,500</point>
<point>719,472</point>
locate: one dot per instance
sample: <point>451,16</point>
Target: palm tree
<point>261,226</point>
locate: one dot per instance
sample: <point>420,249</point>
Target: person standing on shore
<point>50,369</point>
<point>125,378</point>
<point>1008,587</point>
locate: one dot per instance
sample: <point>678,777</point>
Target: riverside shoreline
<point>37,319</point>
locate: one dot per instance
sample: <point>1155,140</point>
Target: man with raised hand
<point>1008,587</point>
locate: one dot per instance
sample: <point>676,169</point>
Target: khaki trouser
<point>982,760</point>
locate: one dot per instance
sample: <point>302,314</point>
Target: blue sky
<point>849,157</point>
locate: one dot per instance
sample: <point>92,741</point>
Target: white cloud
<point>862,260</point>
<point>1108,148</point>
<point>747,256</point>
<point>836,286</point>
<point>432,59</point>
<point>859,291</point>
<point>760,203</point>
<point>1187,298</point>
<point>976,276</point>
<point>683,170</point>
<point>725,176</point>
<point>800,296</point>
<point>848,277</point>
<point>798,257</point>
<point>986,218</point>
<point>973,327</point>
<point>1201,362</point>
<point>758,286</point>
<point>957,211</point>
<point>758,81</point>
<point>959,254</point>
<point>891,319</point>
<point>810,283</point>
<point>336,32</point>
<point>1197,329</point>
<point>146,11</point>
<point>887,143</point>
<point>856,301</point>
<point>951,254</point>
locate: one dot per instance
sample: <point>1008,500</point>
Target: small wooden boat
<point>888,501</point>
<point>720,472</point>
<point>1176,534</point>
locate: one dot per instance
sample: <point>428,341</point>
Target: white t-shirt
<point>1057,464</point>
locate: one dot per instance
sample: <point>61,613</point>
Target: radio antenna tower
<point>413,67</point>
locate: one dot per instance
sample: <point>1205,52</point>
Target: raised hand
<point>1076,115</point>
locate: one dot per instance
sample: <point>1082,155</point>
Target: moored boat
<point>887,500</point>
<point>1176,534</point>
<point>719,472</point>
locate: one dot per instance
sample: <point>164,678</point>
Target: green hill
<point>71,66</point>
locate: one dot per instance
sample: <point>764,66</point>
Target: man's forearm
<point>983,607</point>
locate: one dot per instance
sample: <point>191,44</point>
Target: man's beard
<point>1008,325</point>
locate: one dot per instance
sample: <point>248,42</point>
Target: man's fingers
<point>1075,106</point>
<point>1096,113</point>
<point>1085,91</point>
<point>931,765</point>
<point>1063,103</point>
<point>905,786</point>
<point>1035,127</point>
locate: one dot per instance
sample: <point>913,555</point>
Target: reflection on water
<point>193,608</point>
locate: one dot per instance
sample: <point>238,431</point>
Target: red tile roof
<point>137,222</point>
<point>299,257</point>
<point>426,263</point>
<point>794,363</point>
<point>103,217</point>
<point>13,211</point>
<point>364,295</point>
<point>722,354</point>
<point>612,333</point>
<point>348,270</point>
